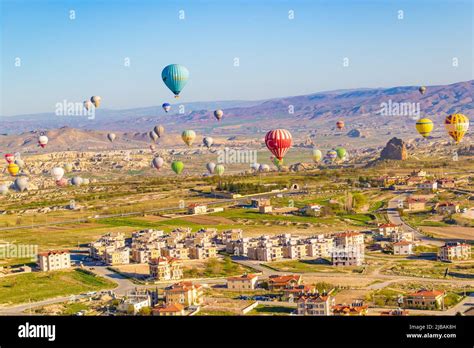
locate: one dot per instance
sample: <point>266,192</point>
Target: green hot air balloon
<point>175,77</point>
<point>177,166</point>
<point>219,169</point>
<point>341,152</point>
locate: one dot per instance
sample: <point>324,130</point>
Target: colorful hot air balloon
<point>340,124</point>
<point>20,184</point>
<point>278,163</point>
<point>9,157</point>
<point>3,190</point>
<point>166,107</point>
<point>317,155</point>
<point>87,104</point>
<point>42,140</point>
<point>96,100</point>
<point>219,169</point>
<point>13,169</point>
<point>424,126</point>
<point>175,77</point>
<point>278,141</point>
<point>218,114</point>
<point>57,173</point>
<point>457,126</point>
<point>152,147</point>
<point>157,162</point>
<point>331,155</point>
<point>159,130</point>
<point>68,167</point>
<point>207,141</point>
<point>20,162</point>
<point>188,137</point>
<point>177,167</point>
<point>153,136</point>
<point>86,181</point>
<point>77,181</point>
<point>210,167</point>
<point>61,182</point>
<point>111,137</point>
<point>341,153</point>
<point>422,90</point>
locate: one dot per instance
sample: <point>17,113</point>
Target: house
<point>244,282</point>
<point>428,185</point>
<point>117,256</point>
<point>172,309</point>
<point>315,304</point>
<point>402,235</point>
<point>259,202</point>
<point>276,282</point>
<point>133,304</point>
<point>446,183</point>
<point>311,210</point>
<point>415,204</point>
<point>452,251</point>
<point>418,173</point>
<point>447,208</point>
<point>197,208</point>
<point>354,309</point>
<point>265,209</point>
<point>164,268</point>
<point>54,260</point>
<point>178,251</point>
<point>386,230</point>
<point>295,292</point>
<point>414,180</point>
<point>402,248</point>
<point>185,293</point>
<point>425,299</point>
<point>398,312</point>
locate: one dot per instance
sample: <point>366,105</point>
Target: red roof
<point>170,308</point>
<point>285,279</point>
<point>183,286</point>
<point>402,242</point>
<point>388,225</point>
<point>416,200</point>
<point>426,293</point>
<point>347,234</point>
<point>53,252</point>
<point>244,277</point>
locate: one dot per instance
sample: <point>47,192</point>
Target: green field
<point>271,310</point>
<point>39,286</point>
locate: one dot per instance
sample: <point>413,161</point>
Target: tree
<point>145,311</point>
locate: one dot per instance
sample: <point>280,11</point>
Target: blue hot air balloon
<point>175,77</point>
<point>166,107</point>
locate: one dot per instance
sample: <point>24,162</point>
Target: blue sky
<point>74,59</point>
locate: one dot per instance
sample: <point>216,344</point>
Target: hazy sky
<point>72,59</point>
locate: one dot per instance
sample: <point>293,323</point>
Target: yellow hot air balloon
<point>13,169</point>
<point>188,137</point>
<point>457,126</point>
<point>424,126</point>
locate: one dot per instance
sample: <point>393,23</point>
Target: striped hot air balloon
<point>188,137</point>
<point>278,142</point>
<point>424,126</point>
<point>340,124</point>
<point>175,77</point>
<point>457,126</point>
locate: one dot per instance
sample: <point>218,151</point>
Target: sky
<point>71,56</point>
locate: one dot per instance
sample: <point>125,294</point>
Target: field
<point>310,266</point>
<point>431,269</point>
<point>38,286</point>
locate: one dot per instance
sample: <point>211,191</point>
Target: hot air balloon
<point>20,184</point>
<point>331,155</point>
<point>42,140</point>
<point>57,173</point>
<point>159,130</point>
<point>218,114</point>
<point>254,166</point>
<point>152,147</point>
<point>166,107</point>
<point>96,100</point>
<point>61,182</point>
<point>3,190</point>
<point>153,136</point>
<point>68,167</point>
<point>207,141</point>
<point>219,169</point>
<point>9,157</point>
<point>341,152</point>
<point>188,137</point>
<point>424,126</point>
<point>457,126</point>
<point>422,90</point>
<point>87,104</point>
<point>111,137</point>
<point>317,155</point>
<point>177,167</point>
<point>340,124</point>
<point>157,162</point>
<point>13,169</point>
<point>210,167</point>
<point>175,77</point>
<point>278,163</point>
<point>77,181</point>
<point>85,181</point>
<point>264,168</point>
<point>20,163</point>
<point>278,141</point>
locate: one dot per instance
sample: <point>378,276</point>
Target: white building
<point>54,260</point>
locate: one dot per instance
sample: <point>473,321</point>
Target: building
<point>311,210</point>
<point>291,294</point>
<point>185,293</point>
<point>266,252</point>
<point>395,313</point>
<point>178,251</point>
<point>428,185</point>
<point>453,251</point>
<point>117,256</point>
<point>265,209</point>
<point>402,248</point>
<point>415,204</point>
<point>402,235</point>
<point>445,183</point>
<point>294,251</point>
<point>347,256</point>
<point>354,309</point>
<point>144,254</point>
<point>54,260</point>
<point>386,230</point>
<point>244,282</point>
<point>425,299</point>
<point>133,304</point>
<point>418,173</point>
<point>319,248</point>
<point>315,304</point>
<point>110,241</point>
<point>259,202</point>
<point>201,252</point>
<point>447,208</point>
<point>172,309</point>
<point>164,268</point>
<point>277,283</point>
<point>197,208</point>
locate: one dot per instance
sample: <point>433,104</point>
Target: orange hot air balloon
<point>13,169</point>
<point>340,124</point>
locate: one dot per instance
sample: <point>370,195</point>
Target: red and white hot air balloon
<point>42,140</point>
<point>9,157</point>
<point>278,142</point>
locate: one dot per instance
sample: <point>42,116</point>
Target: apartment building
<point>454,251</point>
<point>315,304</point>
<point>165,268</point>
<point>242,283</point>
<point>185,293</point>
<point>54,260</point>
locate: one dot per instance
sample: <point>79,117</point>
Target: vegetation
<point>247,188</point>
<point>215,268</point>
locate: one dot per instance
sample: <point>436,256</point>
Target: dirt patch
<point>349,296</point>
<point>208,220</point>
<point>456,232</point>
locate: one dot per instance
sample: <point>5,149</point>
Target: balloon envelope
<point>21,184</point>
<point>20,162</point>
<point>157,162</point>
<point>210,167</point>
<point>422,89</point>
<point>159,130</point>
<point>96,100</point>
<point>341,152</point>
<point>218,114</point>
<point>188,137</point>
<point>264,168</point>
<point>177,167</point>
<point>61,182</point>
<point>208,141</point>
<point>111,137</point>
<point>219,169</point>
<point>457,126</point>
<point>57,173</point>
<point>317,155</point>
<point>175,77</point>
<point>68,167</point>
<point>166,107</point>
<point>3,190</point>
<point>87,104</point>
<point>9,157</point>
<point>340,124</point>
<point>13,169</point>
<point>77,181</point>
<point>278,141</point>
<point>43,140</point>
<point>153,136</point>
<point>424,126</point>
